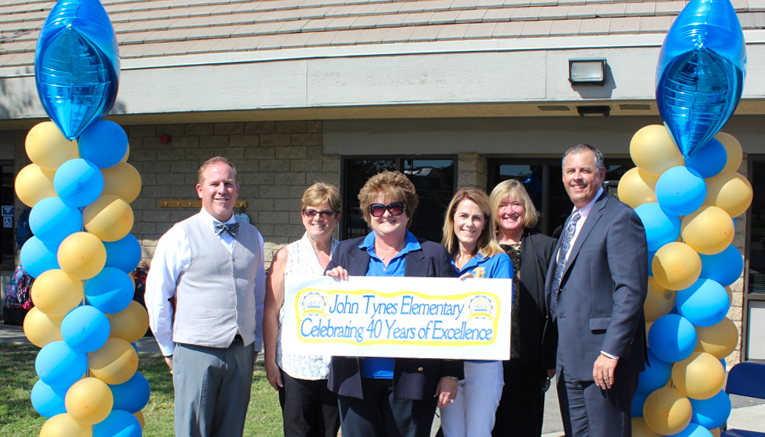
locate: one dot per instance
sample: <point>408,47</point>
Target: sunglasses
<point>378,209</point>
<point>311,213</point>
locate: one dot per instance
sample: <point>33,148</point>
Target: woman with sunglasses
<point>308,407</point>
<point>390,396</point>
<point>468,236</point>
<point>521,409</point>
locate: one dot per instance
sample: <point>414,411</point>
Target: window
<point>433,177</point>
<point>542,180</point>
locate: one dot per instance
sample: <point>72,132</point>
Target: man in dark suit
<point>595,287</point>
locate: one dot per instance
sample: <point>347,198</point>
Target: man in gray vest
<point>211,265</point>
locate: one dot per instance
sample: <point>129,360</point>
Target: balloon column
<point>80,186</point>
<point>687,191</point>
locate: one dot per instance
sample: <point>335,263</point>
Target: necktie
<point>565,245</point>
<point>232,229</point>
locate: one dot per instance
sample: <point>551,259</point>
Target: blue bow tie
<point>232,229</point>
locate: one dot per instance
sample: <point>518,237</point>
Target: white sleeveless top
<point>302,261</point>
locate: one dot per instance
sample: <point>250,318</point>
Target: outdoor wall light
<point>587,71</point>
<point>594,111</point>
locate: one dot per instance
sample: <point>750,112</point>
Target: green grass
<point>18,418</point>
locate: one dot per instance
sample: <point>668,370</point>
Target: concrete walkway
<point>748,413</point>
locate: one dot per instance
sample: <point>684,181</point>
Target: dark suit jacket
<point>529,304</point>
<point>413,378</point>
<point>604,285</point>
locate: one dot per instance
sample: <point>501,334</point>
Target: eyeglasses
<point>311,213</point>
<point>378,209</point>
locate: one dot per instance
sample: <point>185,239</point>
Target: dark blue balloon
<point>124,254</point>
<point>47,400</point>
<point>672,338</point>
<point>700,74</point>
<point>713,412</point>
<point>660,227</point>
<point>724,267</point>
<point>638,401</point>
<point>133,395</point>
<point>77,65</point>
<point>709,160</point>
<point>37,258</point>
<point>118,423</point>
<point>104,144</point>
<point>655,376</point>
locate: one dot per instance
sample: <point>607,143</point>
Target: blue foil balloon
<point>77,65</point>
<point>700,74</point>
<point>710,160</point>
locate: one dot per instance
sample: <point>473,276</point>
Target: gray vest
<point>215,296</point>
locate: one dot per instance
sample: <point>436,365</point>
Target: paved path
<point>747,413</point>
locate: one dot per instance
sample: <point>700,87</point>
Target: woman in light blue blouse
<point>469,238</point>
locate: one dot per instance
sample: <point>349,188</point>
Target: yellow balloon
<point>676,266</point>
<point>122,180</point>
<point>732,149</point>
<point>667,411</point>
<point>715,432</point>
<point>41,328</point>
<point>139,415</point>
<point>34,184</point>
<point>641,429</point>
<point>699,376</point>
<point>127,155</point>
<point>82,255</point>
<point>129,324</point>
<point>730,191</point>
<point>55,293</point>
<point>659,301</point>
<point>63,425</point>
<point>89,401</point>
<point>730,294</point>
<point>47,147</point>
<point>708,230</point>
<point>653,151</point>
<point>108,218</point>
<point>637,187</point>
<point>718,340</point>
<point>114,363</point>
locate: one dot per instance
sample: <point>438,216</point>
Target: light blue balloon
<point>655,376</point>
<point>133,395</point>
<point>660,228</point>
<point>118,423</point>
<point>85,329</point>
<point>51,220</point>
<point>638,401</point>
<point>78,182</point>
<point>700,73</point>
<point>104,144</point>
<point>709,160</point>
<point>713,412</point>
<point>124,254</point>
<point>77,65</point>
<point>724,267</point>
<point>672,338</point>
<point>48,401</point>
<point>680,190</point>
<point>693,430</point>
<point>59,365</point>
<point>111,290</point>
<point>37,258</point>
<point>705,303</point>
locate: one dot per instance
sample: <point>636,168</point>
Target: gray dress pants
<point>212,389</point>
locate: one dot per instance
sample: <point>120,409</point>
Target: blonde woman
<point>469,238</point>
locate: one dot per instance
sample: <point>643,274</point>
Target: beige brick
<point>259,152</point>
<point>314,126</point>
<point>297,126</point>
<point>243,140</point>
<point>290,152</point>
<point>259,204</point>
<point>156,167</point>
<point>141,155</point>
<point>260,127</point>
<point>187,142</point>
<point>291,232</point>
<point>200,153</point>
<point>170,154</point>
<point>182,192</point>
<point>184,166</point>
<point>328,177</point>
<point>296,218</point>
<point>273,217</point>
<point>330,165</point>
<point>308,139</point>
<point>142,131</point>
<point>287,205</point>
<point>314,152</point>
<point>231,153</point>
<point>199,129</point>
<point>275,139</point>
<point>214,141</point>
<point>171,129</point>
<point>274,165</point>
<point>229,128</point>
<point>300,164</point>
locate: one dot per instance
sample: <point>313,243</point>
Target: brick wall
<point>275,161</point>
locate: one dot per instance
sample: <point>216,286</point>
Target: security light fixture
<point>594,111</point>
<point>590,71</point>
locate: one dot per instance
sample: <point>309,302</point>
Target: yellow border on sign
<point>495,323</point>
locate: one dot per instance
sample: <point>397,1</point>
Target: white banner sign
<point>398,317</point>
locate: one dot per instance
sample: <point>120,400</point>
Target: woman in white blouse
<point>308,407</point>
